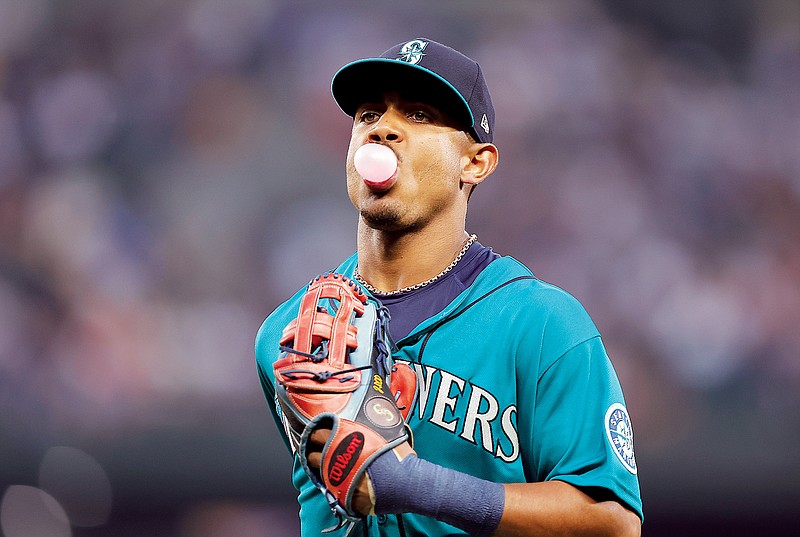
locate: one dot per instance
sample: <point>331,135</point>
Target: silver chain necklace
<point>376,291</point>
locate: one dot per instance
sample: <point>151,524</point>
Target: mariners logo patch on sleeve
<point>620,435</point>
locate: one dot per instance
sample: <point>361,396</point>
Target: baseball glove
<point>335,371</point>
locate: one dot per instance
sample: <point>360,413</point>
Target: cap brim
<point>365,81</point>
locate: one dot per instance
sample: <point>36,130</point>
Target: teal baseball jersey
<point>514,385</point>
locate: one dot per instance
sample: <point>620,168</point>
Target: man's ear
<point>480,162</point>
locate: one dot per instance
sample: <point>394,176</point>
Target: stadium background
<point>156,157</point>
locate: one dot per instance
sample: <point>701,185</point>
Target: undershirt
<point>411,308</point>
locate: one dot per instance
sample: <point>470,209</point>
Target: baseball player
<point>518,424</point>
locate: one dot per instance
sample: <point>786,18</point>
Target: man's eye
<point>421,116</point>
<point>369,116</point>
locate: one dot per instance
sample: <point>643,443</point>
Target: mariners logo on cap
<point>412,52</point>
<point>620,435</point>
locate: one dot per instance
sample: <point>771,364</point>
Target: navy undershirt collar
<point>409,309</point>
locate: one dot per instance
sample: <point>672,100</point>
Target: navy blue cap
<point>425,71</point>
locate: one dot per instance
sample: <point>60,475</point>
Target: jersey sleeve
<point>583,434</point>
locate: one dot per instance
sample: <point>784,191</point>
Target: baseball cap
<point>421,70</point>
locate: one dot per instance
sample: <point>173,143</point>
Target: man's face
<point>430,153</point>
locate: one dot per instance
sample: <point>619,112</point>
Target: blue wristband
<point>414,485</point>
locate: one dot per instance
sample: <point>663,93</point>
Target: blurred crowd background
<point>170,170</point>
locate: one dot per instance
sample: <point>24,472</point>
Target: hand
<point>363,500</point>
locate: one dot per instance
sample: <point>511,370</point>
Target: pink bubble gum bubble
<point>377,165</point>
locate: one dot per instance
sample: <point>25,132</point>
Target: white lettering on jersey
<point>474,417</point>
<point>498,433</point>
<point>511,434</point>
<point>444,401</point>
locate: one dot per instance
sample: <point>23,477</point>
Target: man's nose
<point>387,128</point>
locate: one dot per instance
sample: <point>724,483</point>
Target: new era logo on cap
<point>427,70</point>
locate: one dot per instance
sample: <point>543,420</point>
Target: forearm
<point>555,508</point>
<point>552,508</point>
<point>418,486</point>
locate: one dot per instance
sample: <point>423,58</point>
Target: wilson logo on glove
<point>344,457</point>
